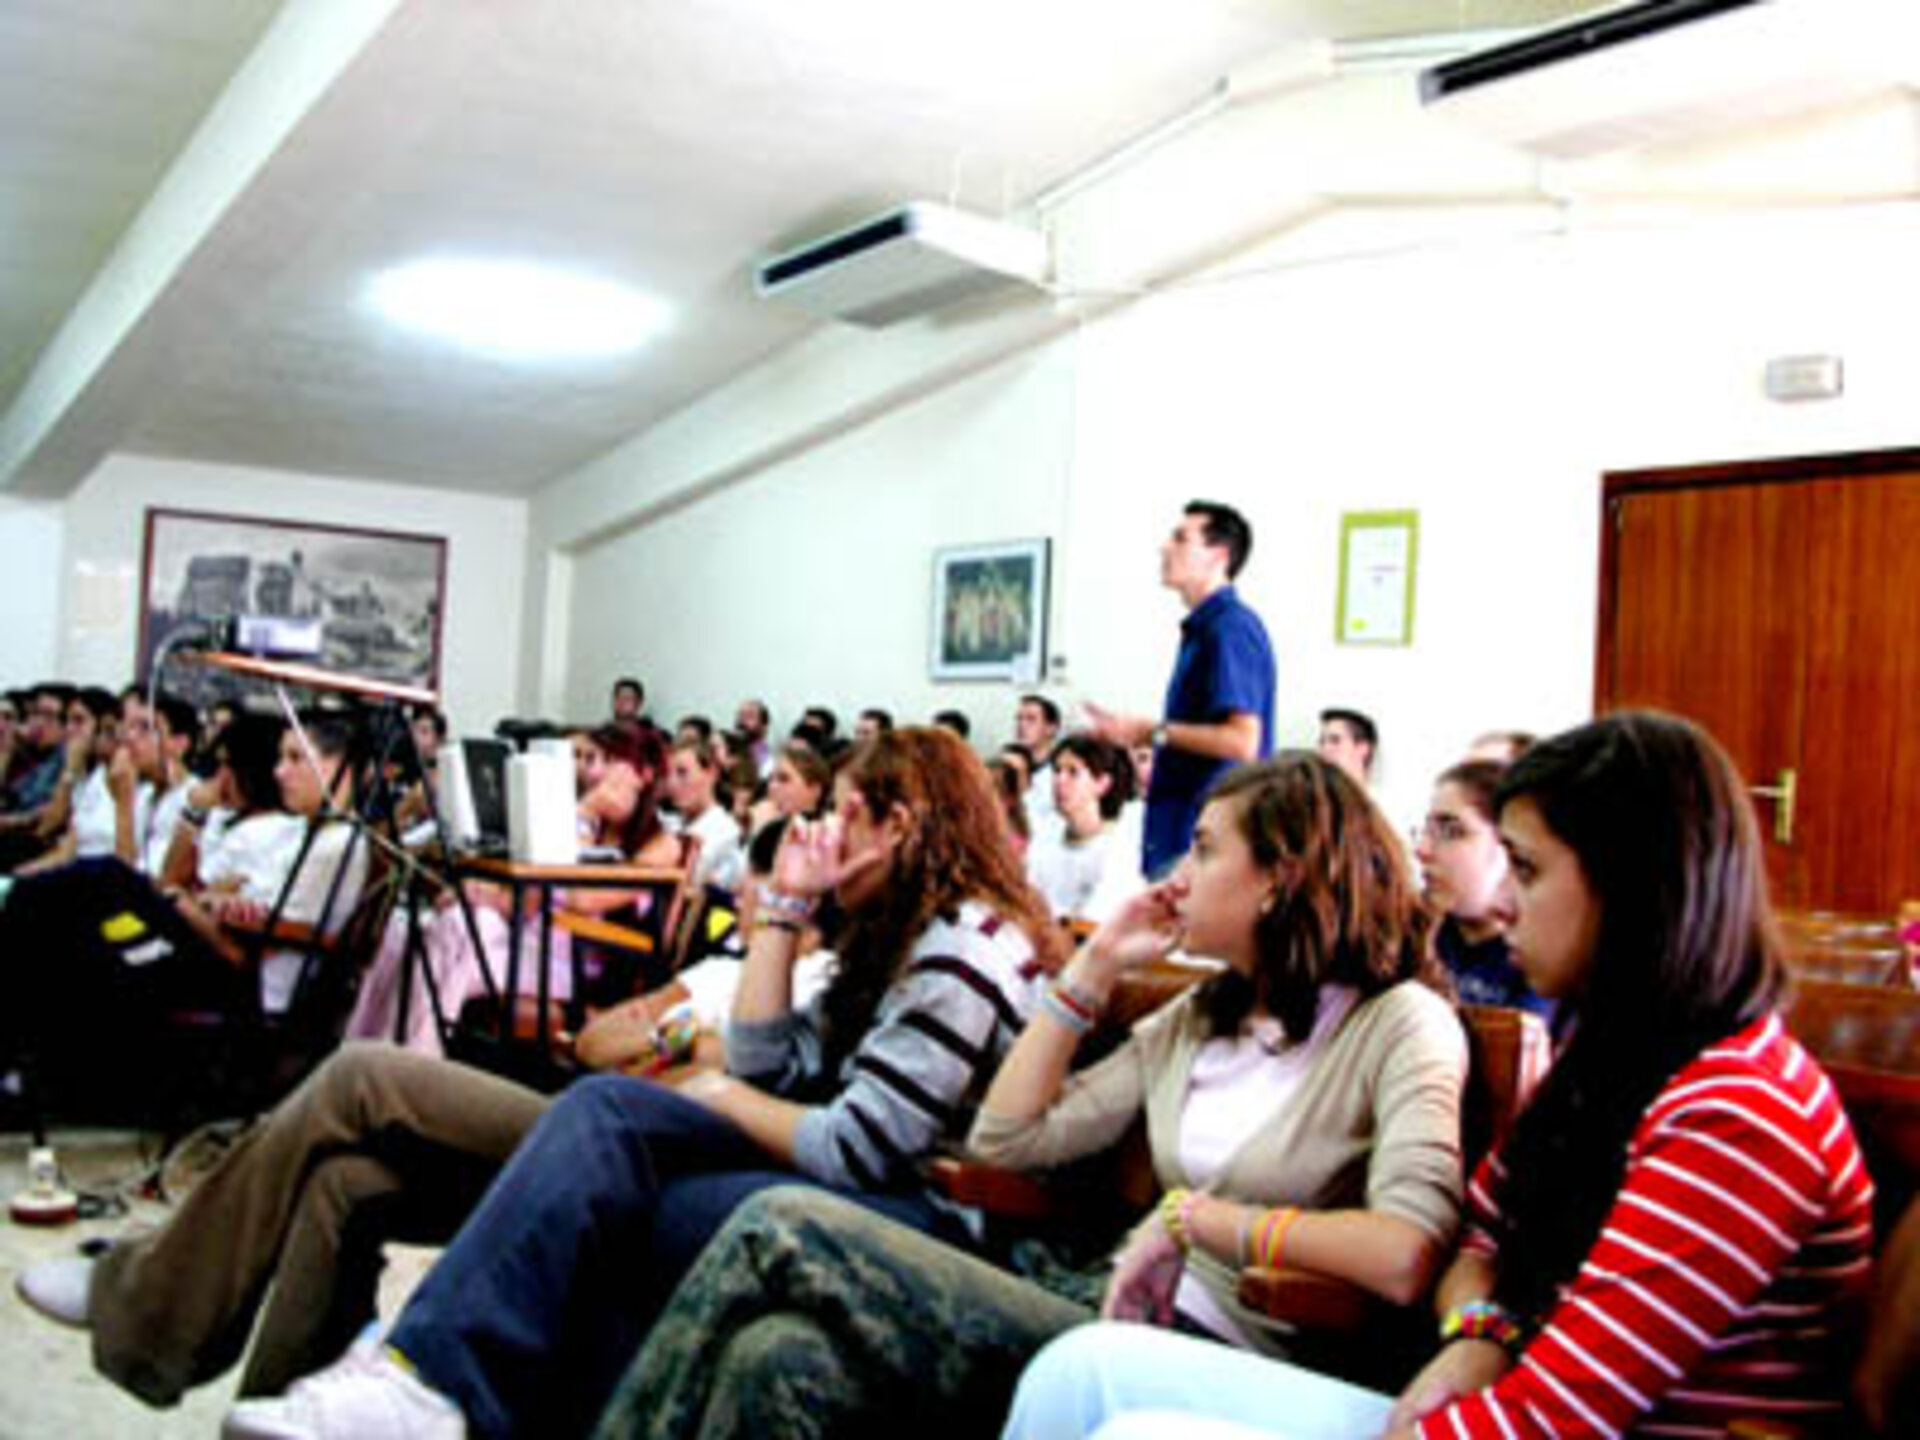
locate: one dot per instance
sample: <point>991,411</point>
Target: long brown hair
<point>957,850</point>
<point>1685,954</point>
<point>1346,912</point>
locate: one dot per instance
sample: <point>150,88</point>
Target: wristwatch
<point>1157,736</point>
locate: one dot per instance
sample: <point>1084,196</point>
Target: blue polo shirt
<point>1225,667</point>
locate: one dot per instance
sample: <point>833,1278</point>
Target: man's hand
<point>1117,729</point>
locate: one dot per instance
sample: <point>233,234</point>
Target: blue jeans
<point>1123,1381</point>
<point>530,1317</point>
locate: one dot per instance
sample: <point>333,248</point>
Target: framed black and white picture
<point>990,611</point>
<point>371,600</point>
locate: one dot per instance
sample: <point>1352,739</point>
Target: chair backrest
<point>1508,1051</point>
<point>1868,1040</point>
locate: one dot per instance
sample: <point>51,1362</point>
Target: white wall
<point>811,582</point>
<point>104,522</point>
<point>31,536</point>
<point>1477,371</point>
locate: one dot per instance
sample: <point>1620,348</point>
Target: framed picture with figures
<point>990,611</point>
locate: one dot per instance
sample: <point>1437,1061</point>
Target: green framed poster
<point>1379,555</point>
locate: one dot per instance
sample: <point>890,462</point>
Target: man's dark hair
<point>821,719</point>
<point>1227,528</point>
<point>1362,726</point>
<point>182,719</point>
<point>437,719</point>
<point>956,721</point>
<point>1046,708</point>
<point>882,719</point>
<point>699,724</point>
<point>629,682</point>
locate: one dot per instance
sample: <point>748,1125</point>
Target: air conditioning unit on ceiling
<point>1663,71</point>
<point>907,262</point>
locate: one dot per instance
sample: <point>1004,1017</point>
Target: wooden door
<point>1779,606</point>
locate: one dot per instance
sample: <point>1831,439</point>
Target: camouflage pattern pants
<point>808,1316</point>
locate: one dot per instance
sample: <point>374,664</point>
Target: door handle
<point>1782,795</point>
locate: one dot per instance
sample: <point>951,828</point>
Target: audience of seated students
<point>1036,729</point>
<point>619,768</point>
<point>1350,740</point>
<point>801,784</point>
<point>954,720</point>
<point>629,701</point>
<point>1009,787</point>
<point>103,802</point>
<point>693,787</point>
<point>871,722</point>
<point>524,1323</point>
<point>45,798</point>
<point>1074,864</point>
<point>1677,1231</point>
<point>97,949</point>
<point>1463,871</point>
<point>1321,1072</point>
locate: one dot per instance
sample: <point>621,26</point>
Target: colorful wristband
<point>1062,1010</point>
<point>1267,1241</point>
<point>1484,1320</point>
<point>791,907</point>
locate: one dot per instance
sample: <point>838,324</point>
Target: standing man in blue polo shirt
<point>1219,708</point>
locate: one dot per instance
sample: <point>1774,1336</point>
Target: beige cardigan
<point>1375,1123</point>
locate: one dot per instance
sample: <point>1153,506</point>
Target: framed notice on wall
<point>1379,554</point>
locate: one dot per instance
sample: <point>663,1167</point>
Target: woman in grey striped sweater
<point>525,1322</point>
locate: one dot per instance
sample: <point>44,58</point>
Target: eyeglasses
<point>1442,830</point>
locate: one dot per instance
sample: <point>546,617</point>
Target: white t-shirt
<point>156,834</point>
<point>95,815</point>
<point>308,896</point>
<point>723,859</point>
<point>1067,871</point>
<point>1236,1086</point>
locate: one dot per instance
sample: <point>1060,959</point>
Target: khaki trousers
<point>378,1144</point>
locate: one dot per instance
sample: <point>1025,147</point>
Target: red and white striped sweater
<point>1720,1283</point>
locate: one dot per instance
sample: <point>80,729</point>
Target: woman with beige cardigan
<point>1302,1107</point>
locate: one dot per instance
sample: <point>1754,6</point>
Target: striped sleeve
<point>910,1081</point>
<point>1728,1197</point>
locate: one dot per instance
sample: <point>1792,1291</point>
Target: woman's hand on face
<point>1462,1368</point>
<point>1146,928</point>
<point>614,795</point>
<point>1145,1275</point>
<point>813,858</point>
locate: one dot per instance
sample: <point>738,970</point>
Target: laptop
<point>473,792</point>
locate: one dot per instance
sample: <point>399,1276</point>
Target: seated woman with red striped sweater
<point>1674,1233</point>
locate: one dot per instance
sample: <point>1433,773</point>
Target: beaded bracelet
<point>1076,1000</point>
<point>1176,1214</point>
<point>1484,1320</point>
<point>793,907</point>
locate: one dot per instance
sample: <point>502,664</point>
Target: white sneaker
<point>364,1395</point>
<point>58,1288</point>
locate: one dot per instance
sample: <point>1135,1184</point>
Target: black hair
<point>1685,953</point>
<point>249,747</point>
<point>882,719</point>
<point>822,719</point>
<point>699,724</point>
<point>954,720</point>
<point>631,682</point>
<point>1226,527</point>
<point>1045,706</point>
<point>1104,759</point>
<point>182,719</point>
<point>1360,723</point>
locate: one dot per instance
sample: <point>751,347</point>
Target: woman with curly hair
<point>524,1324</point>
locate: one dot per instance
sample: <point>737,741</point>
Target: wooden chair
<point>1508,1051</point>
<point>1868,1040</point>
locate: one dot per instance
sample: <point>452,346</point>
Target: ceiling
<point>664,144</point>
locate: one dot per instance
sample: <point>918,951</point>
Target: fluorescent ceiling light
<point>514,310</point>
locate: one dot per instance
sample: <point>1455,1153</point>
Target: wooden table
<point>519,877</point>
